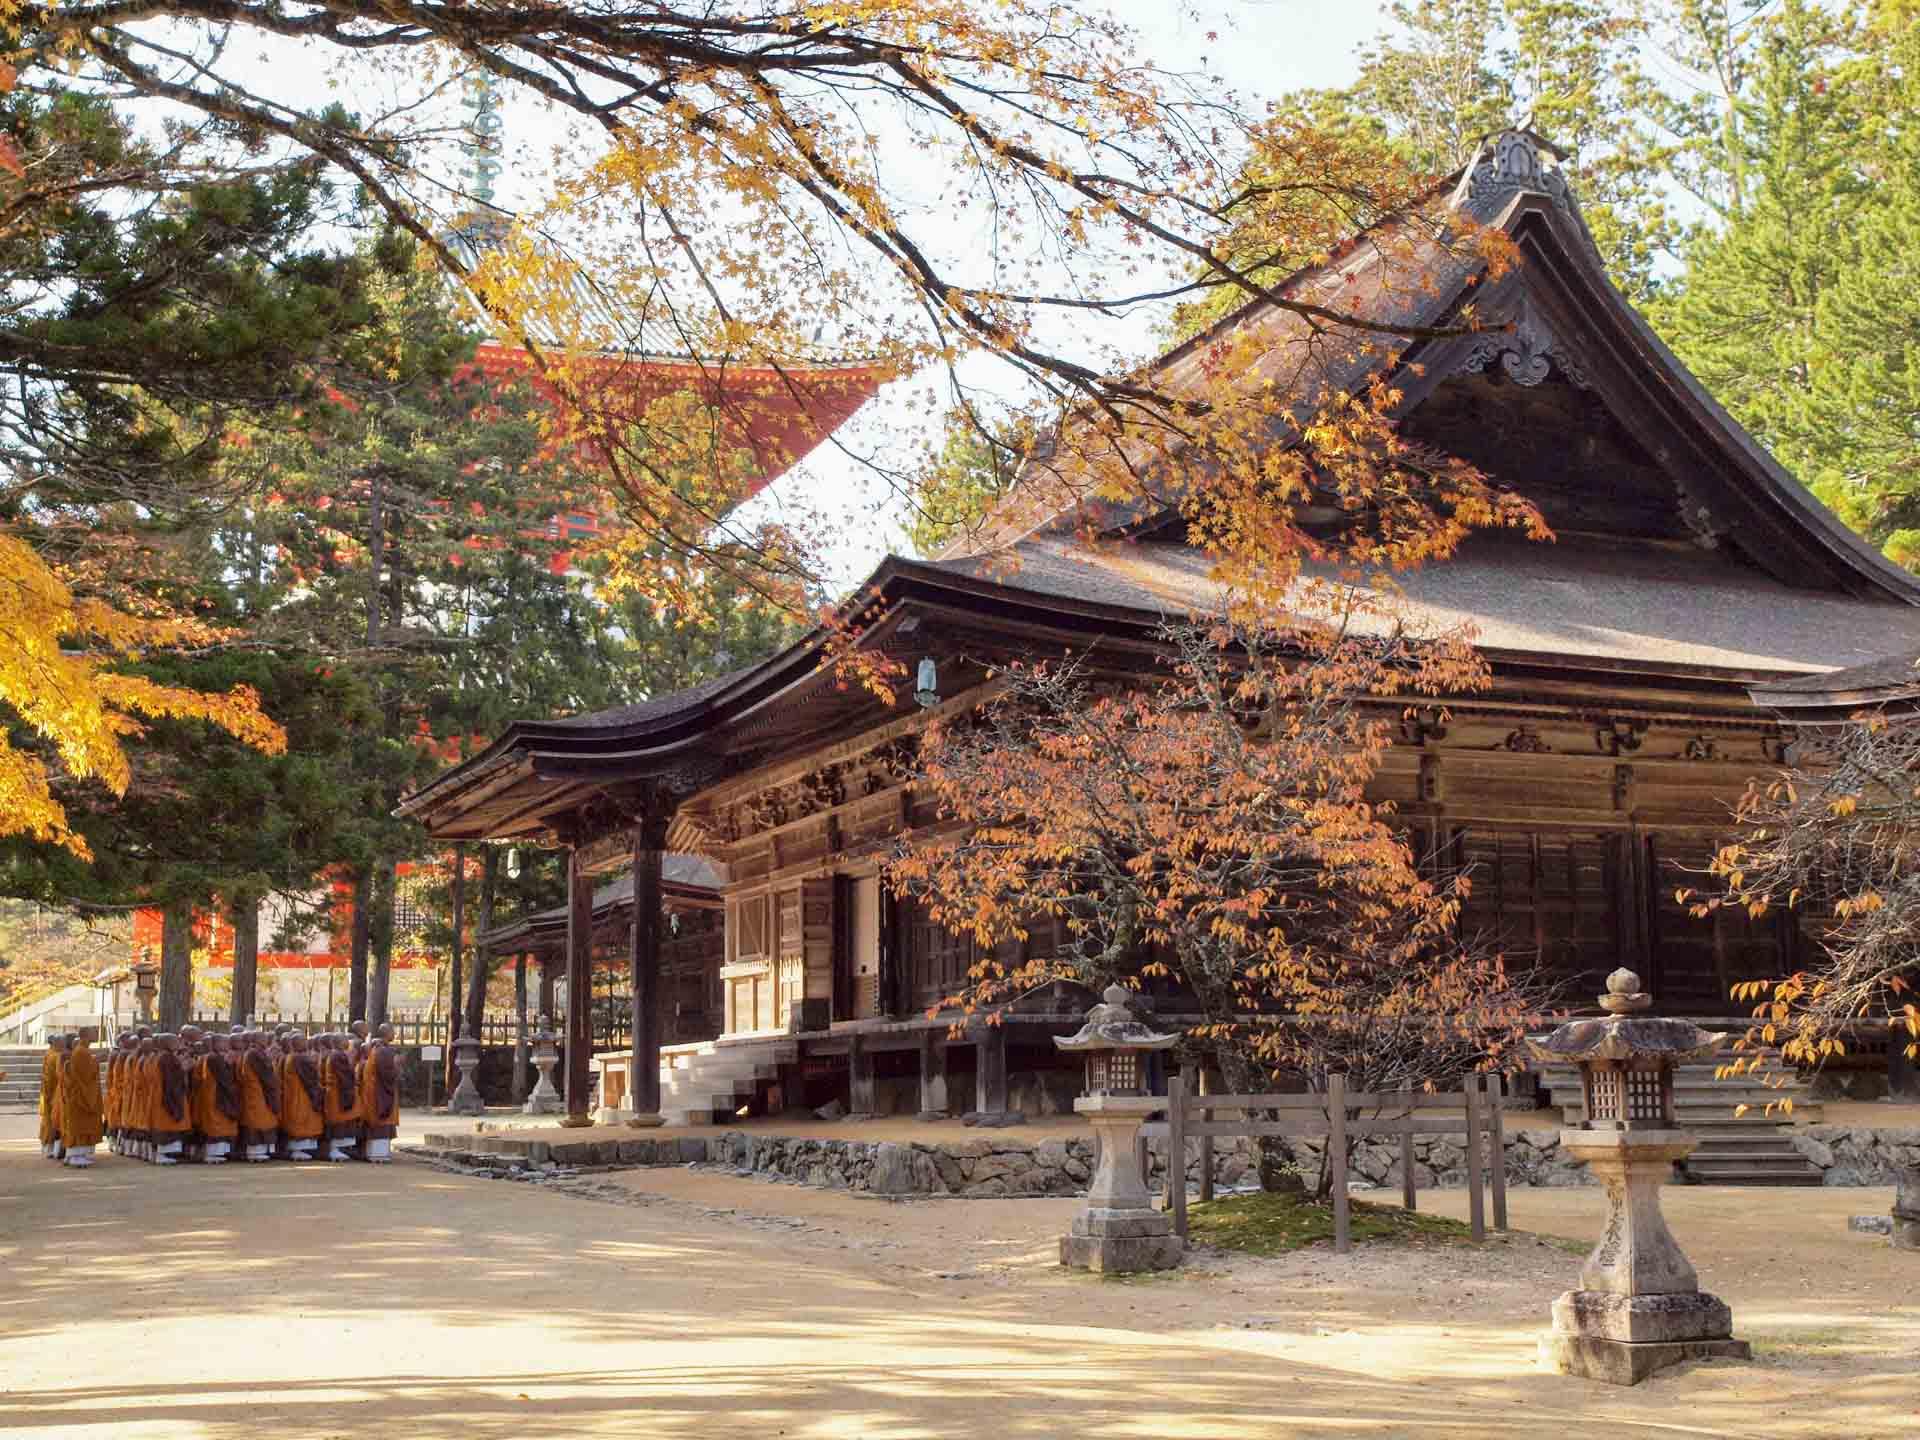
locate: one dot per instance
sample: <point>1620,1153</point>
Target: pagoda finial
<point>484,130</point>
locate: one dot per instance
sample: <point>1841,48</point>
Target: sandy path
<point>334,1301</point>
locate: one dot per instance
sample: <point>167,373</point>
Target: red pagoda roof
<point>782,415</point>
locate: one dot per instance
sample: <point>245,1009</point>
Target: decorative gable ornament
<point>1508,164</point>
<point>1526,353</point>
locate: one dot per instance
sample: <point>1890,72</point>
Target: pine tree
<point>148,280</point>
<point>1750,314</point>
<point>1861,439</point>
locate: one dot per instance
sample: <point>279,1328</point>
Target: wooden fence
<point>410,1027</point>
<point>1333,1117</point>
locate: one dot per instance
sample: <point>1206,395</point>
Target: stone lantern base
<point>1119,1231</point>
<point>1640,1307</point>
<point>1622,1339</point>
<point>1906,1209</point>
<point>1119,1242</point>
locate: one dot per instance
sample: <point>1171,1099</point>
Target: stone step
<point>1753,1175</point>
<point>1748,1160</point>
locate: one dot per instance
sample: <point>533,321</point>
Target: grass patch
<point>1267,1223</point>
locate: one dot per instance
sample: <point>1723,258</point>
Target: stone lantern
<point>1639,1307</point>
<point>544,1099</point>
<point>466,1099</point>
<point>1906,1209</point>
<point>1119,1231</point>
<point>146,983</point>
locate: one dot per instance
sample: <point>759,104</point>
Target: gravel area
<point>325,1301</point>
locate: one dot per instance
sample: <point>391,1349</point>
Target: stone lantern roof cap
<point>1623,1035</point>
<point>1112,1025</point>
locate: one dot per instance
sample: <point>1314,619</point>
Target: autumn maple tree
<point>1835,837</point>
<point>1206,833</point>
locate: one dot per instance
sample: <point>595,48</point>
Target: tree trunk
<point>380,942</point>
<point>176,964</point>
<point>482,956</point>
<point>246,958</point>
<point>376,557</point>
<point>362,941</point>
<point>520,1027</point>
<point>1274,1157</point>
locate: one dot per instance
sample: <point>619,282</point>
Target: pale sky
<point>1264,49</point>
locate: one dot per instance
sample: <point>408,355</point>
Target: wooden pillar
<point>933,1075</point>
<point>456,987</point>
<point>643,1079</point>
<point>519,1027</point>
<point>862,1092</point>
<point>842,1004</point>
<point>579,987</point>
<point>990,1079</point>
<point>892,956</point>
<point>481,971</point>
<point>546,1007</point>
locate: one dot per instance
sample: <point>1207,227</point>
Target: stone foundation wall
<point>1002,1166</point>
<point>1853,1155</point>
<point>1005,1166</point>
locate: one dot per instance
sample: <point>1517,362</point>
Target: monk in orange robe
<point>146,1102</point>
<point>279,1053</point>
<point>50,1096</point>
<point>193,1054</point>
<point>303,1103</point>
<point>380,1097</point>
<point>259,1084</point>
<point>117,1092</point>
<point>129,1118</point>
<point>172,1112</point>
<point>341,1097</point>
<point>190,1058</point>
<point>81,1103</point>
<point>218,1102</point>
<point>133,1098</point>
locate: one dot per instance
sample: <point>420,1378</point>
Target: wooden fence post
<point>1337,1157</point>
<point>1476,1201</point>
<point>1497,1158</point>
<point>1206,1145</point>
<point>1177,1152</point>
<point>1406,1150</point>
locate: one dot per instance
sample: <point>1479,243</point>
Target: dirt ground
<point>328,1301</point>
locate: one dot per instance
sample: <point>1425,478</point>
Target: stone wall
<point>1856,1155</point>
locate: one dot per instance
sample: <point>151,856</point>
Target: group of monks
<point>205,1098</point>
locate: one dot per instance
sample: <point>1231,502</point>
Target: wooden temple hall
<point>1599,768</point>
